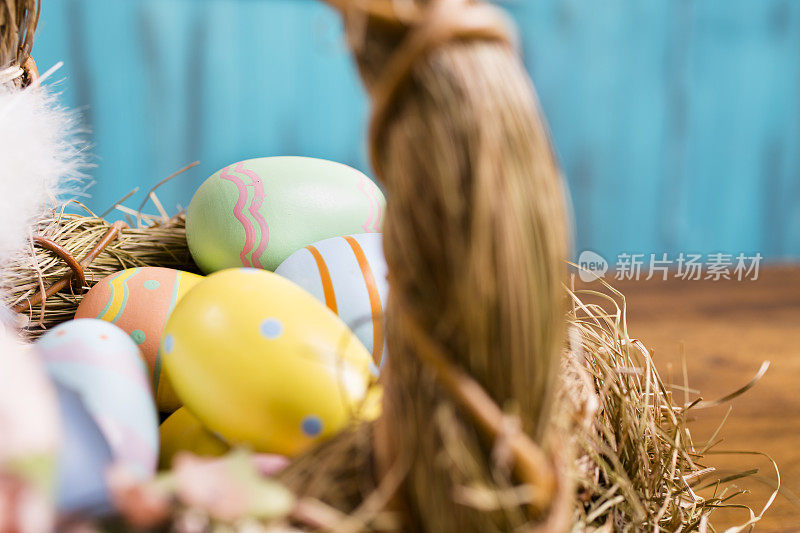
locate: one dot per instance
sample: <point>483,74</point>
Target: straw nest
<point>637,467</point>
<point>634,467</point>
<point>98,247</point>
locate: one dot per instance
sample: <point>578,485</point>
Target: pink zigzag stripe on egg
<point>80,353</point>
<point>376,225</point>
<point>238,212</point>
<point>362,187</point>
<point>255,206</point>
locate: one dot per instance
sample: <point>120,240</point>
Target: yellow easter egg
<point>264,363</point>
<point>182,431</point>
<point>371,407</point>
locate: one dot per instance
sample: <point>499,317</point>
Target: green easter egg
<point>256,213</point>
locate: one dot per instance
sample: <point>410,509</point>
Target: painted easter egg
<point>263,363</point>
<point>258,212</point>
<point>82,462</point>
<point>139,300</point>
<point>29,438</point>
<point>28,409</point>
<point>182,431</point>
<point>347,274</point>
<point>103,365</point>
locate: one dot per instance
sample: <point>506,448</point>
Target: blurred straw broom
<point>474,236</point>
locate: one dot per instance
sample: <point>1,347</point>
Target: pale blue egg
<point>82,460</point>
<point>101,363</point>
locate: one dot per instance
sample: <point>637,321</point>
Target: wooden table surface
<point>727,329</point>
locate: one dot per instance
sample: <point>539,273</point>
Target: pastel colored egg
<point>82,462</point>
<point>139,300</point>
<point>347,274</point>
<point>30,437</point>
<point>28,409</point>
<point>258,212</point>
<point>182,431</point>
<point>263,363</point>
<point>103,365</point>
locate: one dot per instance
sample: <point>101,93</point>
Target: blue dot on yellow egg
<point>151,284</point>
<point>169,343</point>
<point>311,425</point>
<point>271,328</point>
<point>138,336</point>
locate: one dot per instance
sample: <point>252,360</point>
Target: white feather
<point>42,158</point>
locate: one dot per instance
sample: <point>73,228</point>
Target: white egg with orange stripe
<point>348,274</point>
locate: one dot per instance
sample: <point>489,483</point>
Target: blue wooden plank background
<point>677,122</point>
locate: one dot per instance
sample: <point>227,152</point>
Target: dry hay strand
<point>155,241</point>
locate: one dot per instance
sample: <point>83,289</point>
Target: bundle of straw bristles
<point>510,403</point>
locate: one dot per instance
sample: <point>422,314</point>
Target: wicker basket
<point>492,421</point>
